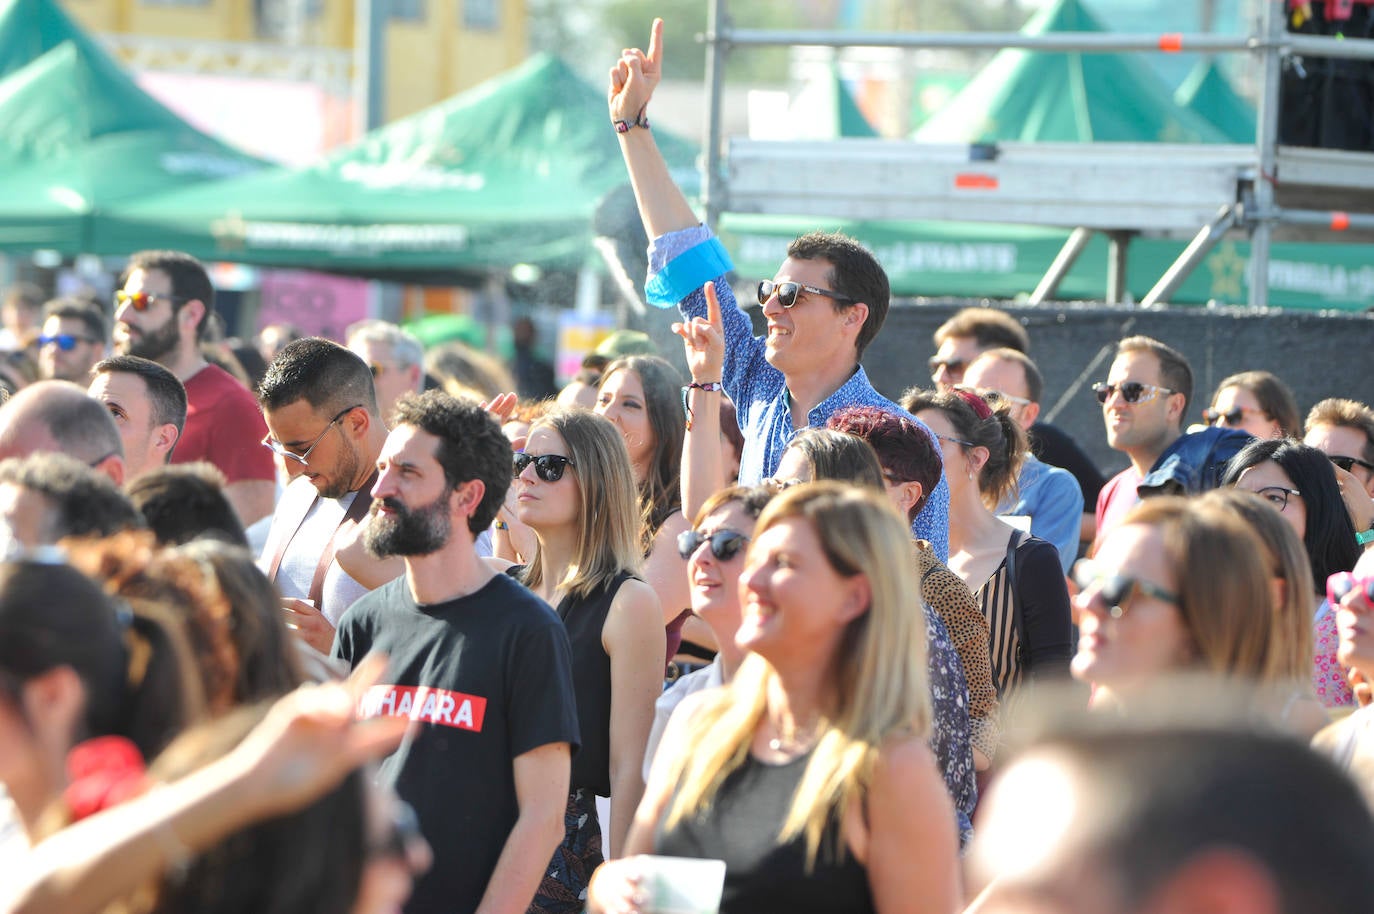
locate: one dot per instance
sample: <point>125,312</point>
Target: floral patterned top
<point>1328,676</point>
<point>949,724</point>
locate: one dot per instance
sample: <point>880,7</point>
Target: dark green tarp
<point>78,136</point>
<point>1208,93</point>
<point>1036,96</point>
<point>508,172</point>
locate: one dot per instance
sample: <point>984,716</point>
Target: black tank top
<point>762,876</point>
<point>591,673</point>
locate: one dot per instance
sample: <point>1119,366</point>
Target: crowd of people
<point>361,627</point>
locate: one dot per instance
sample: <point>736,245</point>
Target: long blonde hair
<point>879,689</point>
<point>608,503</point>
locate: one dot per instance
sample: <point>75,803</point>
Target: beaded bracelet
<point>626,126</point>
<point>706,387</point>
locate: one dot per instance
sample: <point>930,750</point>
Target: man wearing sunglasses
<point>1144,400</point>
<point>72,339</point>
<point>395,357</point>
<point>162,310</point>
<point>1344,431</point>
<point>1049,496</point>
<point>323,421</point>
<point>823,307</point>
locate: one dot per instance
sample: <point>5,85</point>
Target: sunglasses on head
<point>787,293</point>
<point>64,341</point>
<point>725,544</point>
<point>548,467</point>
<point>1116,591</point>
<point>142,301</point>
<point>1131,391</point>
<point>1349,463</point>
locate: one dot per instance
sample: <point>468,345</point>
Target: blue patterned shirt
<point>679,264</point>
<point>949,721</point>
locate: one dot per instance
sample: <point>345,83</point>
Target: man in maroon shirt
<point>161,313</point>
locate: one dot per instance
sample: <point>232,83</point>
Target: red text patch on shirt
<point>431,706</point>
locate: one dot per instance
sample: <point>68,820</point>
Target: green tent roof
<point>31,28</point>
<point>508,172</point>
<point>78,136</point>
<point>825,109</point>
<point>1065,97</point>
<point>1208,94</point>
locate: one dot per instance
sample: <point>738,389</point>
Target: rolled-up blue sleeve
<point>681,263</point>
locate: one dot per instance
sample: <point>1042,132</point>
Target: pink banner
<point>318,304</point>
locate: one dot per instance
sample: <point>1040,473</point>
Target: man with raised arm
<point>824,305</point>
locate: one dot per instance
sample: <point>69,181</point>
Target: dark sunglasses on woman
<point>725,544</point>
<point>548,467</point>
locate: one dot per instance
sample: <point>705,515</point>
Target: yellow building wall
<point>426,60</point>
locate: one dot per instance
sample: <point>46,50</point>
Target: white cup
<point>682,885</point>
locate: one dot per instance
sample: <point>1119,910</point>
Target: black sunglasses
<point>1349,463</point>
<point>725,544</point>
<point>548,467</point>
<point>787,293</point>
<point>1116,591</point>
<point>1131,391</point>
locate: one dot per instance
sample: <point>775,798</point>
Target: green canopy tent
<point>78,135</point>
<point>31,28</point>
<point>506,173</point>
<point>1037,96</point>
<point>1208,93</point>
<point>825,109</point>
<point>1065,97</point>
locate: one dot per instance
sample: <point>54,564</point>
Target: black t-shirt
<point>490,677</point>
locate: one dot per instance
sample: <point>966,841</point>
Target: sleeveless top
<point>1029,586</point>
<point>762,876</point>
<point>591,673</point>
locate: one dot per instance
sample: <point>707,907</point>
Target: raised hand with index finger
<point>703,341</point>
<point>635,76</point>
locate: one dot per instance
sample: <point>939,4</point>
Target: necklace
<point>796,741</point>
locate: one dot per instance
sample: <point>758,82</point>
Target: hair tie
<point>978,404</point>
<point>102,773</point>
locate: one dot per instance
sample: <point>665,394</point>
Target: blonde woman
<point>576,492</point>
<point>810,775</point>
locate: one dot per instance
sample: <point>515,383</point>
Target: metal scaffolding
<point>1200,192</point>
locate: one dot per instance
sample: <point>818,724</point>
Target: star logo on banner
<point>1228,272</point>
